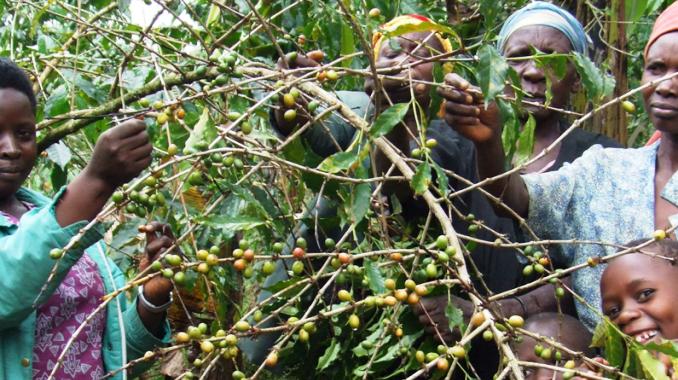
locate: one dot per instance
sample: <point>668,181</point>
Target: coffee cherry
<point>629,106</point>
<point>354,321</point>
<point>56,253</point>
<point>659,235</point>
<point>345,258</point>
<point>242,326</point>
<point>420,356</point>
<point>232,340</point>
<point>332,75</point>
<point>237,375</point>
<point>396,256</point>
<point>316,55</point>
<point>344,296</point>
<point>516,321</point>
<point>458,352</point>
<point>268,268</point>
<point>389,284</point>
<point>477,319</point>
<point>201,254</point>
<point>182,337</point>
<point>203,268</point>
<point>441,242</point>
<point>206,346</point>
<point>271,359</point>
<point>162,118</point>
<point>156,266</point>
<point>167,273</point>
<point>303,336</point>
<point>400,295</point>
<point>298,253</point>
<point>290,115</point>
<point>413,298</point>
<point>240,265</point>
<point>431,143</point>
<point>488,335</point>
<point>421,290</point>
<point>195,179</point>
<point>118,197</point>
<point>248,255</point>
<point>212,259</point>
<point>560,292</point>
<point>288,100</point>
<point>442,365</point>
<point>180,278</point>
<point>410,284</point>
<point>298,268</point>
<point>374,13</point>
<point>278,247</point>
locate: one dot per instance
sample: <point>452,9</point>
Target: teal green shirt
<point>25,266</point>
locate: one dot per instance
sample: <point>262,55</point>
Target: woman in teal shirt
<point>31,225</point>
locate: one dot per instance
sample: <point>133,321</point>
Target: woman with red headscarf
<point>608,195</point>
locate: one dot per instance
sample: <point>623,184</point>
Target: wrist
<point>95,183</point>
<point>152,303</point>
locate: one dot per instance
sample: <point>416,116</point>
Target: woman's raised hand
<point>466,113</point>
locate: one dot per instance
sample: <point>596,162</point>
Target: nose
<point>628,314</point>
<point>9,147</point>
<point>532,73</point>
<point>667,88</point>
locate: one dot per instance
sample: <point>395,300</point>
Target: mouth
<point>664,110</point>
<point>645,336</point>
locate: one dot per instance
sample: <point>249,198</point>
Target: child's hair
<point>14,77</point>
<point>568,330</point>
<point>665,247</point>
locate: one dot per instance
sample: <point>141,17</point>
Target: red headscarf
<point>666,22</point>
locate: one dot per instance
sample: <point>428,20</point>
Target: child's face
<point>639,296</point>
<point>405,50</point>
<point>18,148</point>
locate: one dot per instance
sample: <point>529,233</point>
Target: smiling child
<point>638,292</point>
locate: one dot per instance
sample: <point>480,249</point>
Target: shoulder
<point>586,138</point>
<point>32,197</point>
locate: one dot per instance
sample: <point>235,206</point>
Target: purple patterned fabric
<point>73,301</point>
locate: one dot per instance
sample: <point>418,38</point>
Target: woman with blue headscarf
<point>606,195</point>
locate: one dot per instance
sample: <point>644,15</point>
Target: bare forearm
<point>83,199</point>
<point>510,189</point>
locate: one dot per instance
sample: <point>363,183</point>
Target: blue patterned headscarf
<point>547,14</point>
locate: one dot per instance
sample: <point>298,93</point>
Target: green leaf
<point>199,131</point>
<point>214,14</point>
<point>347,43</point>
<point>338,162</point>
<point>665,347</point>
<point>455,318</point>
<point>653,368</point>
<point>374,278</point>
<point>492,72</point>
<point>389,119</point>
<point>441,179</point>
<point>330,355</point>
<point>525,141</point>
<point>596,84</point>
<point>422,178</point>
<point>57,103</point>
<point>360,201</point>
<point>59,154</point>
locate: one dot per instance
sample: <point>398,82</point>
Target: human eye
<point>26,134</point>
<point>612,311</point>
<point>645,294</point>
<point>655,68</point>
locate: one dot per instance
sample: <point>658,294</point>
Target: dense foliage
<point>202,73</point>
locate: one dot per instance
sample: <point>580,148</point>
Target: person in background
<point>608,195</point>
<point>561,328</point>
